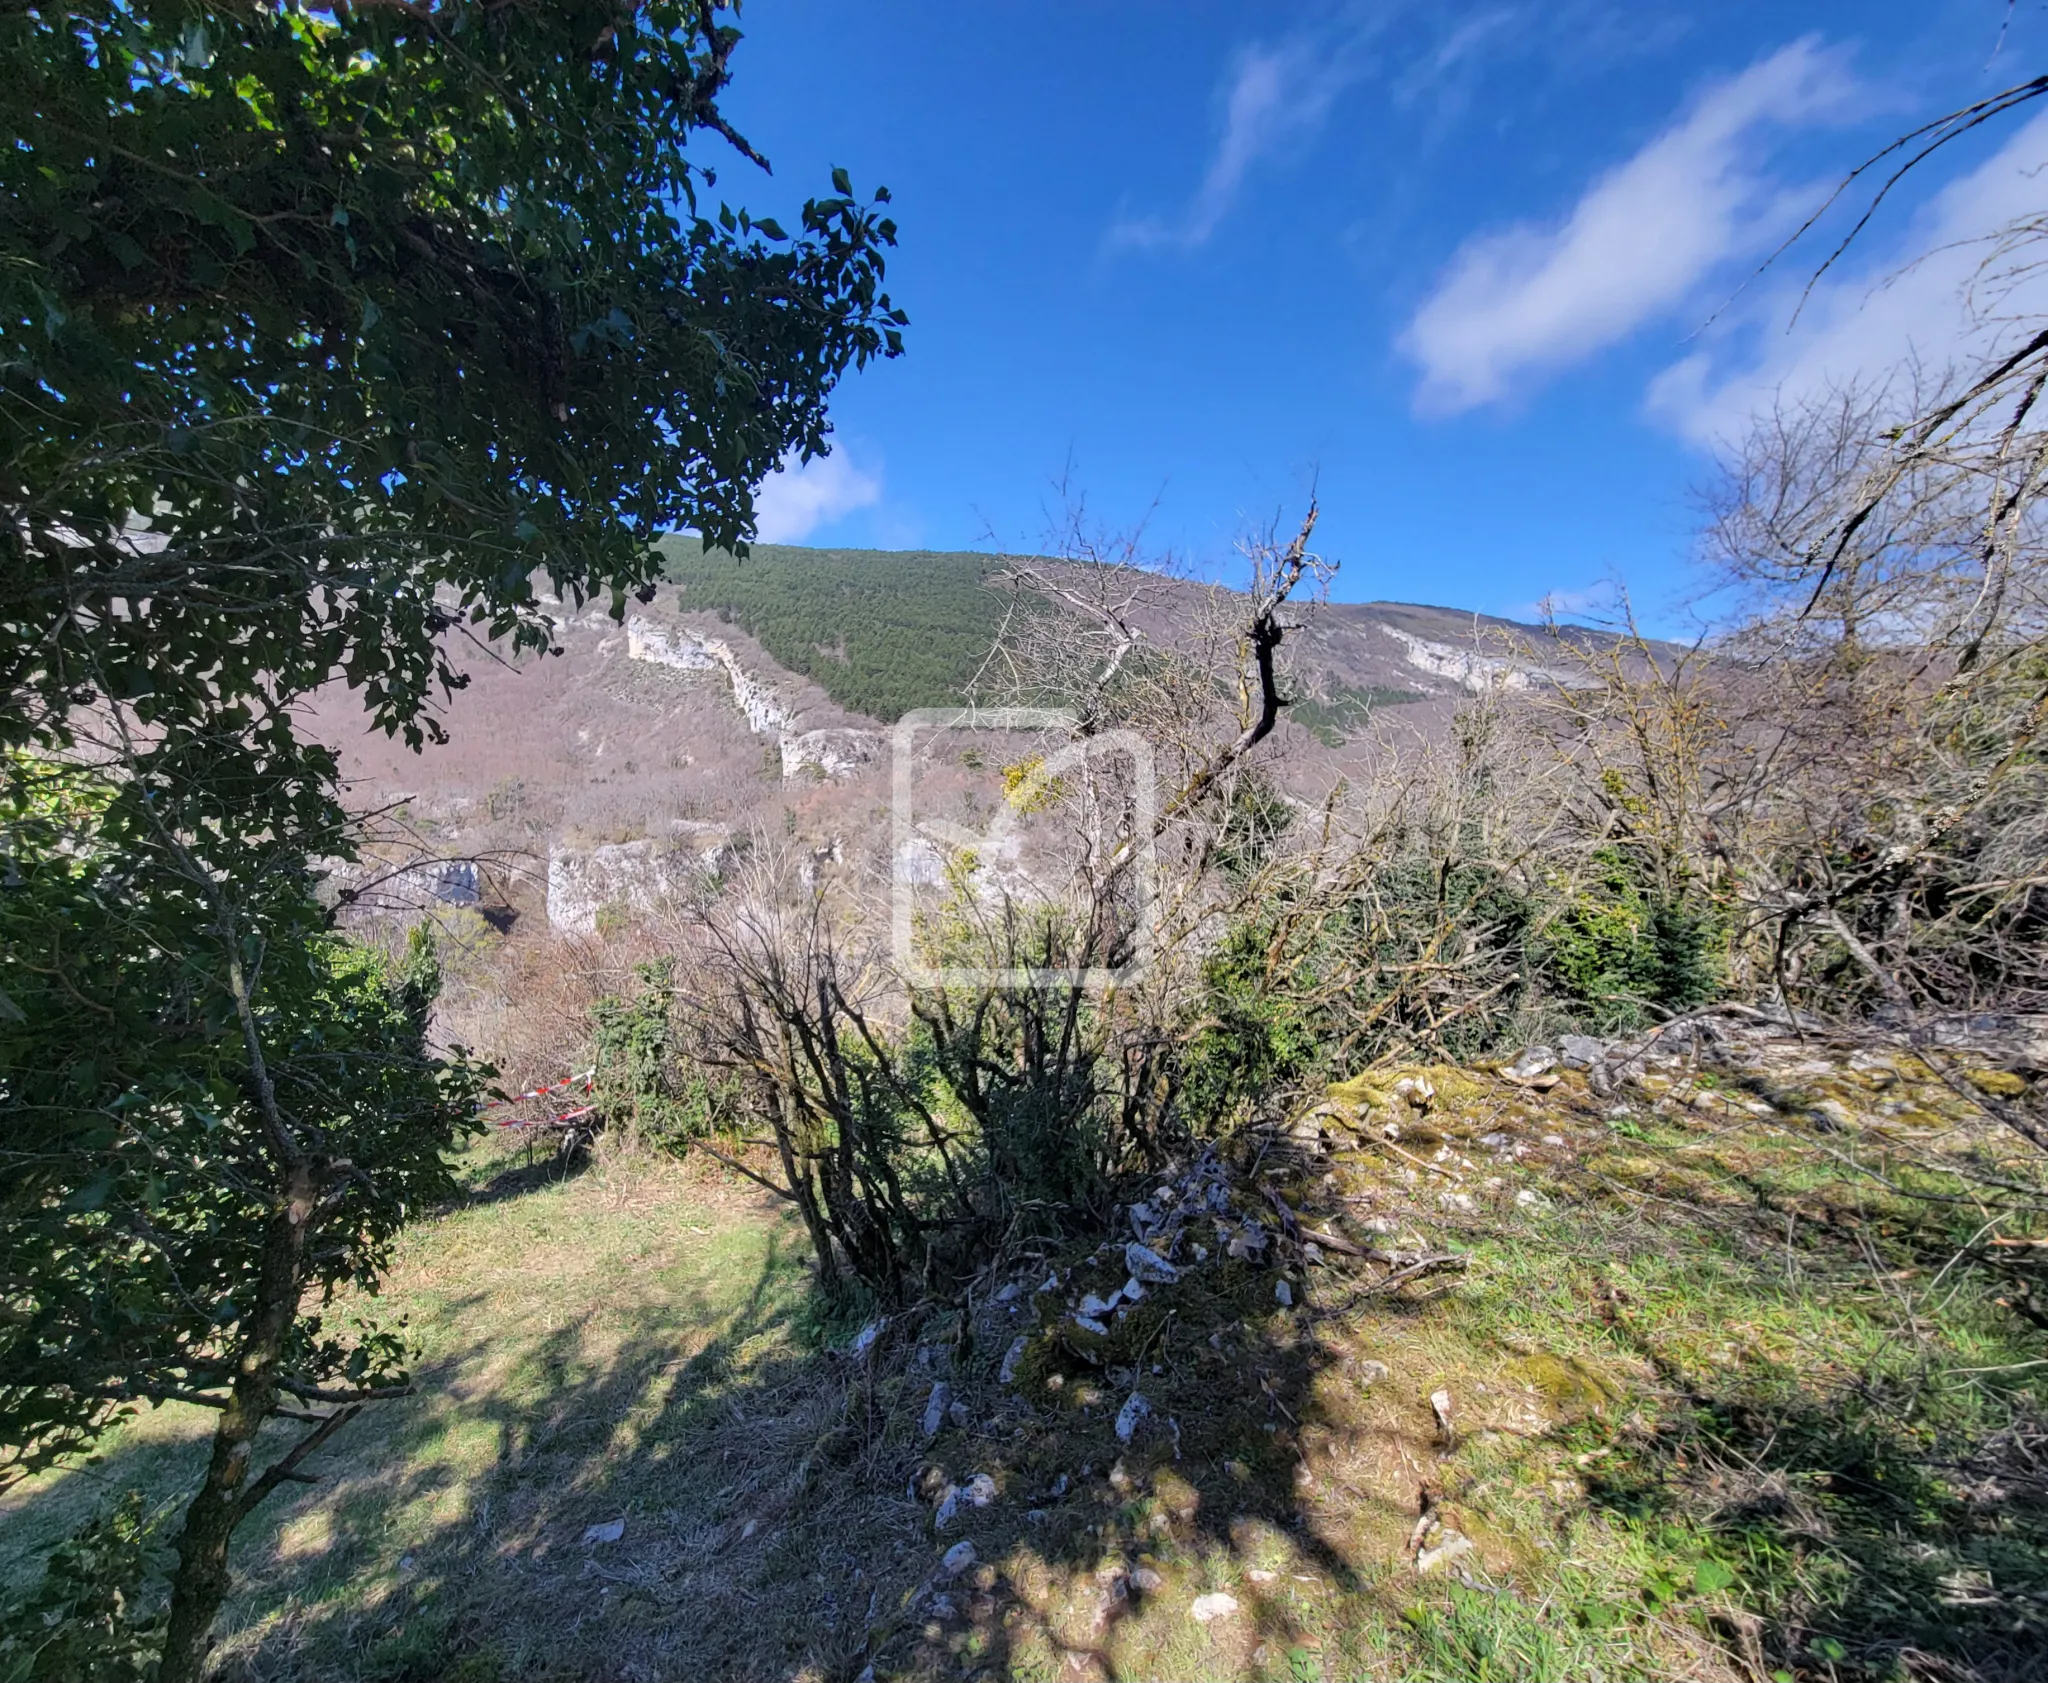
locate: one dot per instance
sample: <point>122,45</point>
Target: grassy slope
<point>1697,1392</point>
<point>583,1345</point>
<point>882,631</point>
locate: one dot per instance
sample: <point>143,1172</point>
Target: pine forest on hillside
<point>881,631</point>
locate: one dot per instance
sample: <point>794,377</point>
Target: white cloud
<point>1526,301</point>
<point>1866,320</point>
<point>1274,95</point>
<point>799,497</point>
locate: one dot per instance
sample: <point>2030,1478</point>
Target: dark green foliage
<point>882,631</point>
<point>369,303</point>
<point>1255,1038</point>
<point>1621,951</point>
<point>136,1174</point>
<point>644,1088</point>
<point>1256,820</point>
<point>323,330</point>
<point>1315,984</point>
<point>1344,709</point>
<point>85,1621</point>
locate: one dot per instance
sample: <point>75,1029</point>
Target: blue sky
<point>1476,271</point>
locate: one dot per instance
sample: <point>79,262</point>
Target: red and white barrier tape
<point>586,1081</point>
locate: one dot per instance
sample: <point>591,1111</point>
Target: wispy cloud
<point>799,497</point>
<point>1275,96</point>
<point>1923,300</point>
<point>1524,302</point>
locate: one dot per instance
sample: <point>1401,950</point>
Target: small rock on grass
<point>1131,1416</point>
<point>609,1532</point>
<point>1012,1356</point>
<point>1283,1294</point>
<point>1146,1581</point>
<point>1581,1051</point>
<point>1148,1266</point>
<point>935,1408</point>
<point>959,1558</point>
<point>1215,1605</point>
<point>977,1492</point>
<point>1451,1547</point>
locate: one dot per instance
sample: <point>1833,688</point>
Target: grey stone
<point>1012,1356</point>
<point>935,1408</point>
<point>1452,1546</point>
<point>1581,1051</point>
<point>1148,1266</point>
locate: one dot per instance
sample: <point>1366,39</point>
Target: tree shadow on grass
<point>775,1505</point>
<point>1874,1545</point>
<point>693,1490</point>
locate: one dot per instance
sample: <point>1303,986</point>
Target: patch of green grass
<point>581,1340</point>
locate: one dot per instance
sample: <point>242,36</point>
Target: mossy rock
<point>1999,1083</point>
<point>1374,1088</point>
<point>1573,1387</point>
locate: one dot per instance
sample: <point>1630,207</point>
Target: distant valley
<point>752,699</point>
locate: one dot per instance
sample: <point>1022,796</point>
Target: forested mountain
<point>882,631</point>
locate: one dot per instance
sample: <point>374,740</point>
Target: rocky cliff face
<point>825,753</point>
<point>633,877</point>
<point>1473,670</point>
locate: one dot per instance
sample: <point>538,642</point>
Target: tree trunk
<point>200,1584</point>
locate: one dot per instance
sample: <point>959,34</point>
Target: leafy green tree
<point>325,332</point>
<point>325,328</point>
<point>214,1110</point>
<point>1620,950</point>
<point>88,1618</point>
